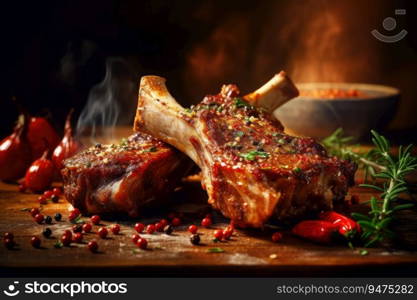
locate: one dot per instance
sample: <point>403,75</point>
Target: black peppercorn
<point>55,198</point>
<point>47,232</point>
<point>48,220</point>
<point>9,243</point>
<point>58,217</point>
<point>77,228</point>
<point>168,229</point>
<point>195,239</point>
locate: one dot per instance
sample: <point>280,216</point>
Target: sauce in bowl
<point>332,93</point>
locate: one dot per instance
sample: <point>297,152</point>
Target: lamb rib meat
<point>122,178</point>
<point>125,177</point>
<point>251,169</point>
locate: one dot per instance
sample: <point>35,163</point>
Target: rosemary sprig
<point>337,144</point>
<point>379,164</point>
<point>376,224</point>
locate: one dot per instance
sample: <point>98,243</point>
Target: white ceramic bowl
<point>319,117</point>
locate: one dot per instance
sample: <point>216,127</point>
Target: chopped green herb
<point>239,133</point>
<point>152,149</point>
<point>123,142</point>
<point>239,103</point>
<point>77,220</point>
<point>297,170</point>
<point>58,244</point>
<point>276,134</point>
<point>188,110</point>
<point>363,252</point>
<point>252,155</point>
<point>25,209</point>
<point>209,106</point>
<point>215,250</point>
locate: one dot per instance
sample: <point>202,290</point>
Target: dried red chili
<point>42,136</point>
<point>315,230</point>
<point>346,226</point>
<point>15,155</point>
<point>40,174</point>
<point>68,145</point>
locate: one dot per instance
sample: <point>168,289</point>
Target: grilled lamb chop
<point>251,169</point>
<point>123,178</point>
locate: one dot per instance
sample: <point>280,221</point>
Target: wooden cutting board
<point>248,253</point>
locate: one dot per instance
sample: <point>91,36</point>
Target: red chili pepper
<point>40,174</point>
<point>315,230</point>
<point>68,145</point>
<point>42,136</point>
<point>15,155</point>
<point>346,226</point>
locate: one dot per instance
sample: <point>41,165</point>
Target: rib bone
<point>250,168</point>
<point>276,92</point>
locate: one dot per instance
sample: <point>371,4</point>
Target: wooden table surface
<point>248,253</point>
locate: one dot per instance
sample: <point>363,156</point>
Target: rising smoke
<point>110,103</point>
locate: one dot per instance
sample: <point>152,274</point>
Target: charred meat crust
<point>122,178</point>
<point>294,175</point>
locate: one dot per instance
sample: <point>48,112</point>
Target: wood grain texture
<point>248,253</point>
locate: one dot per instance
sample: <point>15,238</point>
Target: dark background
<point>54,52</point>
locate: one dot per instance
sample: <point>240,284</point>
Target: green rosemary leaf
<point>361,217</point>
<point>403,206</point>
<point>382,176</point>
<point>363,252</point>
<point>373,241</point>
<point>371,186</point>
<point>399,189</point>
<point>374,204</point>
<point>366,225</point>
<point>215,250</point>
<point>365,235</point>
<point>384,223</point>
